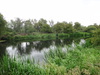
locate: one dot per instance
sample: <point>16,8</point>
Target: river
<point>35,49</point>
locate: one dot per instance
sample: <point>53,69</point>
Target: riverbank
<point>2,41</point>
<point>80,61</point>
<point>41,36</point>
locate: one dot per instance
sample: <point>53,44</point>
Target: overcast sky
<point>86,12</point>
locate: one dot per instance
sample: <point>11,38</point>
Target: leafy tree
<point>28,26</point>
<point>96,39</point>
<point>8,27</point>
<point>39,25</point>
<point>34,21</point>
<point>90,29</point>
<point>2,24</point>
<point>58,27</point>
<point>42,21</point>
<point>46,28</point>
<point>97,26</point>
<point>63,27</point>
<point>68,28</point>
<point>77,26</point>
<point>17,25</point>
<point>83,28</point>
<point>51,23</point>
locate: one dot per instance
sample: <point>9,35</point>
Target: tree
<point>51,23</point>
<point>38,26</point>
<point>28,26</point>
<point>90,29</point>
<point>83,28</point>
<point>2,24</point>
<point>97,26</point>
<point>17,25</point>
<point>63,27</point>
<point>96,39</point>
<point>77,26</point>
<point>58,27</point>
<point>68,28</point>
<point>46,28</point>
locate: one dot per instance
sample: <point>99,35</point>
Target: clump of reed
<point>84,58</point>
<point>77,61</point>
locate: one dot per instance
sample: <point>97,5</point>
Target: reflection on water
<point>36,49</point>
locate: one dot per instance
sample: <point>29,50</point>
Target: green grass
<point>41,36</point>
<point>2,40</point>
<point>80,61</point>
<point>81,34</point>
<point>29,37</point>
<point>81,58</point>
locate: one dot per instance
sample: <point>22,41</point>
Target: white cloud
<point>84,11</point>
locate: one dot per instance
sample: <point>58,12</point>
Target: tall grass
<point>38,36</point>
<point>86,60</point>
<point>78,61</point>
<point>81,34</point>
<point>29,37</point>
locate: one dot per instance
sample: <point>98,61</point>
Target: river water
<point>35,49</point>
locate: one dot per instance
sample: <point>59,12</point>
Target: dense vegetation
<point>19,29</point>
<point>2,25</point>
<point>71,62</point>
<point>83,60</point>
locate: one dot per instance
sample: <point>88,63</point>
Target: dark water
<point>34,49</point>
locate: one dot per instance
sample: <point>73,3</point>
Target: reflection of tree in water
<point>67,41</point>
<point>24,49</point>
<point>42,44</point>
<point>4,45</point>
<point>62,42</point>
<point>2,49</point>
<point>57,42</point>
<point>20,48</point>
<point>31,45</point>
<point>36,45</point>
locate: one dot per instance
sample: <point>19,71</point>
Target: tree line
<point>19,26</point>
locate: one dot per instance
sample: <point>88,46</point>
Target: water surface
<point>35,49</point>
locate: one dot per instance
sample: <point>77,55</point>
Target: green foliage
<point>96,39</point>
<point>68,28</point>
<point>77,26</point>
<point>12,36</point>
<point>77,58</point>
<point>70,62</point>
<point>28,26</point>
<point>24,37</point>
<point>40,24</point>
<point>90,29</point>
<point>63,27</point>
<point>46,28</point>
<point>2,24</point>
<point>63,35</point>
<point>80,34</point>
<point>17,25</point>
<point>58,28</point>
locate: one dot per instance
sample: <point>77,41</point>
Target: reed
<point>77,61</point>
<point>38,36</point>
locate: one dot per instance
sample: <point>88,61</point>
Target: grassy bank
<point>80,61</point>
<point>20,37</point>
<point>2,40</point>
<point>41,36</point>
